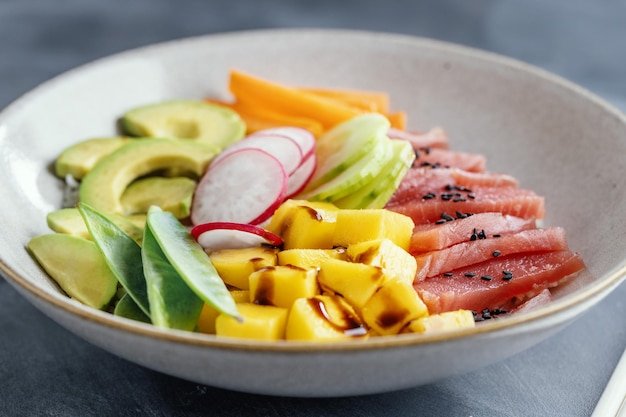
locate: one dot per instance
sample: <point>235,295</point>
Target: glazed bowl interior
<point>555,137</point>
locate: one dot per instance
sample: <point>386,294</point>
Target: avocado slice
<point>77,266</point>
<point>103,186</point>
<point>69,221</point>
<point>186,119</point>
<point>171,194</point>
<point>81,157</point>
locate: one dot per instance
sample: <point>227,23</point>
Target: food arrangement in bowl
<point>370,212</point>
<point>305,215</point>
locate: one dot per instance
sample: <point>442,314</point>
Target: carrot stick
<point>365,100</point>
<point>397,119</point>
<point>282,99</point>
<point>259,118</point>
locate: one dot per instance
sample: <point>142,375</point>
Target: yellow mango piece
<point>323,318</point>
<point>305,224</point>
<point>449,320</point>
<point>281,285</point>
<point>355,226</point>
<point>208,314</point>
<point>235,265</point>
<point>355,282</point>
<point>309,258</point>
<point>396,262</point>
<point>392,307</point>
<point>259,322</point>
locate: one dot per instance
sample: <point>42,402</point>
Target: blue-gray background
<point>46,371</point>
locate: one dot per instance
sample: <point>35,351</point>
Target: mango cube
<point>235,265</point>
<point>259,322</point>
<point>323,318</point>
<point>395,261</point>
<point>392,307</point>
<point>449,320</point>
<point>355,226</point>
<point>305,224</point>
<point>208,314</point>
<point>355,282</point>
<point>309,258</point>
<point>281,285</point>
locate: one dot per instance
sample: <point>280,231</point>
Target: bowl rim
<point>596,291</point>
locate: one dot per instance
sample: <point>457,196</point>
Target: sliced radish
<point>304,138</point>
<point>301,177</point>
<point>283,148</point>
<point>227,235</point>
<point>245,186</point>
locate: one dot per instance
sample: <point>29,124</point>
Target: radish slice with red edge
<point>301,177</point>
<point>245,186</point>
<point>227,235</point>
<point>304,138</point>
<point>282,147</point>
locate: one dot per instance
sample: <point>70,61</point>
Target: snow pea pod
<point>173,304</point>
<point>190,260</point>
<point>126,307</point>
<point>121,252</point>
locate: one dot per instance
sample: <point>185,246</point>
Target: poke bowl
<point>545,133</point>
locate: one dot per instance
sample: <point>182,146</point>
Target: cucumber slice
<point>344,145</point>
<point>376,193</point>
<point>356,176</point>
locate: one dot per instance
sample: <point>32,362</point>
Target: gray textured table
<point>46,371</point>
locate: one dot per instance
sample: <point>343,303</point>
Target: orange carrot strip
<point>365,100</point>
<point>287,100</point>
<point>397,119</point>
<point>259,118</point>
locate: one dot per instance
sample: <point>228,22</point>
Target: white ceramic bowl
<point>555,137</point>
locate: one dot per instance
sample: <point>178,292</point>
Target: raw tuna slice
<point>526,275</point>
<point>539,300</point>
<point>430,237</point>
<point>471,162</point>
<point>506,200</point>
<point>425,182</point>
<point>434,138</point>
<point>485,248</point>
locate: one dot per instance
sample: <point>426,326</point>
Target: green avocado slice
<point>186,119</point>
<point>88,280</point>
<point>171,194</point>
<point>78,159</point>
<point>103,186</point>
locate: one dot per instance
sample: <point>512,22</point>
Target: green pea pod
<point>190,260</point>
<point>121,252</point>
<point>173,304</point>
<point>126,307</point>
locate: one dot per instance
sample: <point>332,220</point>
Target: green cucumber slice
<point>344,145</point>
<point>356,176</point>
<point>377,192</point>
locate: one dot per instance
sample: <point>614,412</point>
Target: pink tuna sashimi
<point>506,200</point>
<point>505,279</point>
<point>430,237</point>
<point>425,182</point>
<point>471,162</point>
<point>434,138</point>
<point>482,249</point>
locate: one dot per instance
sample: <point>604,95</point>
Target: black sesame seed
<point>496,235</point>
<point>459,199</point>
<point>460,215</point>
<point>496,253</point>
<point>469,274</point>
<point>472,196</point>
<point>505,272</point>
<point>447,274</point>
<point>446,197</point>
<point>429,196</point>
<point>442,221</point>
<point>449,187</point>
<point>486,277</point>
<point>447,217</point>
<point>482,235</point>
